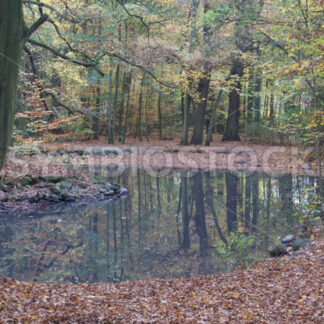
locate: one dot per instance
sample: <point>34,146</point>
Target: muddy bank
<point>34,192</point>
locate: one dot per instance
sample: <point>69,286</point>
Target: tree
<point>203,87</point>
<point>14,34</point>
<point>232,121</point>
<point>188,97</point>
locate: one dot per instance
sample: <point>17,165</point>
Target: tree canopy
<point>118,68</point>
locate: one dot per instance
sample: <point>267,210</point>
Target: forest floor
<point>285,290</point>
<point>80,161</point>
<point>156,154</point>
<point>242,156</point>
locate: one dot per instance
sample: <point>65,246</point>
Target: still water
<point>174,224</point>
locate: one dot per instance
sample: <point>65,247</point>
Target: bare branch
<point>44,5</point>
<point>29,31</point>
<point>65,57</point>
<point>125,60</point>
<point>60,103</point>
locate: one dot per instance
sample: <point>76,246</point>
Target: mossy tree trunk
<point>11,46</point>
<point>13,35</point>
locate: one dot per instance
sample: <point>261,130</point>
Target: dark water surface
<point>175,224</point>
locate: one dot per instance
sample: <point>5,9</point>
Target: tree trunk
<point>247,212</point>
<point>193,39</point>
<point>210,204</point>
<point>255,202</point>
<point>213,119</point>
<point>231,201</point>
<point>200,217</point>
<point>140,105</point>
<point>182,105</point>
<point>286,195</point>
<point>11,46</point>
<point>258,87</point>
<point>232,121</point>
<point>95,126</point>
<point>112,139</point>
<point>110,112</point>
<point>203,86</point>
<point>200,114</point>
<point>147,105</point>
<point>160,115</point>
<point>129,82</point>
<point>271,114</point>
<point>121,106</point>
<point>185,126</point>
<point>250,100</point>
<point>185,214</point>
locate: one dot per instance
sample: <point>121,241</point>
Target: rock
<point>97,152</point>
<point>312,158</point>
<point>115,188</point>
<point>79,152</point>
<point>102,190</point>
<point>84,193</point>
<point>288,239</point>
<point>56,190</point>
<point>110,152</point>
<point>53,198</point>
<point>67,184</point>
<point>4,207</point>
<point>52,179</point>
<point>109,193</point>
<point>61,152</point>
<point>28,180</point>
<point>4,187</point>
<point>123,191</point>
<point>95,192</point>
<point>108,185</point>
<point>68,198</point>
<point>278,250</point>
<point>83,185</point>
<point>34,199</point>
<point>300,242</point>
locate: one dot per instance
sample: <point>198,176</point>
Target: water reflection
<point>167,227</point>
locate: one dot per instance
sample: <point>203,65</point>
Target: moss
<point>52,179</point>
<point>28,180</point>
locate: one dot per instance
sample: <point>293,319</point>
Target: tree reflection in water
<point>168,226</point>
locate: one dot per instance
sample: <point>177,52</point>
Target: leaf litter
<point>285,290</point>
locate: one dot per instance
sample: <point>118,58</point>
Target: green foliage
<point>311,210</point>
<point>282,58</point>
<point>261,133</point>
<point>218,15</point>
<point>237,250</point>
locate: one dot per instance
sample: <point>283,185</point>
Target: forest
<point>167,69</point>
<point>155,154</point>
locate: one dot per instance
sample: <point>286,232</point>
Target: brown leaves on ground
<point>287,290</point>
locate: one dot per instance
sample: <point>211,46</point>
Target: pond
<point>171,224</point>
